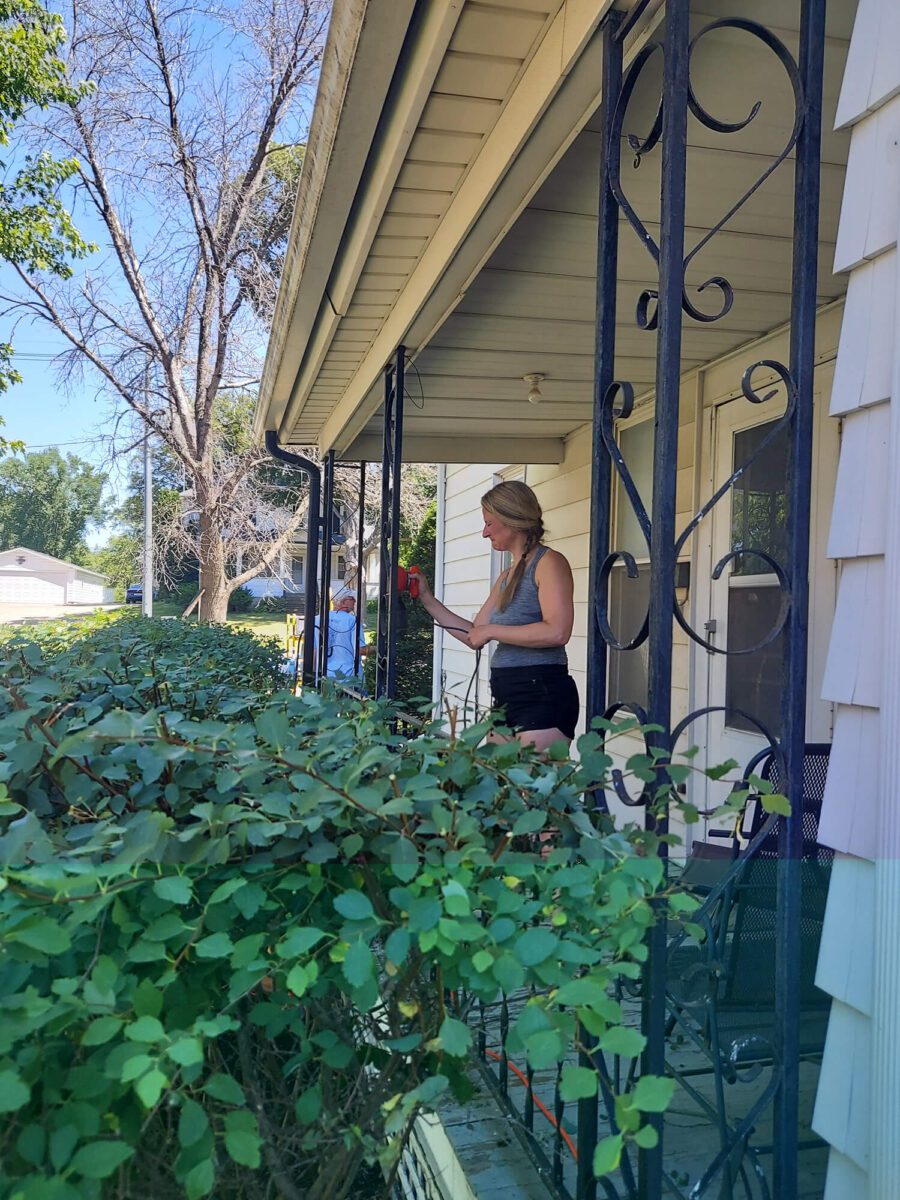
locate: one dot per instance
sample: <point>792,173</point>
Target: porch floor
<point>490,1145</point>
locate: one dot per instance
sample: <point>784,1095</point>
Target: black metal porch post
<point>383,544</point>
<point>796,632</point>
<point>604,362</point>
<point>601,472</point>
<point>310,581</point>
<point>325,534</point>
<point>360,585</point>
<point>396,464</point>
<point>662,556</point>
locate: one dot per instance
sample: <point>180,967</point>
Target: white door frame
<point>721,421</point>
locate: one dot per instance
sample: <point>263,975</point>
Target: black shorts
<point>536,697</point>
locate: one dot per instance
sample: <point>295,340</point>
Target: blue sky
<point>42,411</point>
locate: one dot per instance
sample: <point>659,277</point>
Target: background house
<point>28,576</point>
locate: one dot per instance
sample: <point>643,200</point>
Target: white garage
<point>29,577</point>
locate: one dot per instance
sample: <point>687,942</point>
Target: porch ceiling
<point>522,301</point>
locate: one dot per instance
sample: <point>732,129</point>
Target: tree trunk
<point>213,581</point>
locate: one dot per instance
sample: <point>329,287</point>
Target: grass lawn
<point>263,624</point>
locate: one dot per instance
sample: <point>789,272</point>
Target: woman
<point>529,613</point>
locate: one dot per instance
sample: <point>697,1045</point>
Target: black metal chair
<point>720,992</point>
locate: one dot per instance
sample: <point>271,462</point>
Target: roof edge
<point>355,77</point>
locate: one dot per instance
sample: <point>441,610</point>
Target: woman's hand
<point>479,636</point>
<point>425,592</point>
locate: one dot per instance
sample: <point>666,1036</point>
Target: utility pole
<point>147,596</point>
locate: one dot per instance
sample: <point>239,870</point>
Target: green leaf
<point>145,1029</point>
<point>150,1087</point>
<point>653,1093</point>
<point>354,906</point>
<point>309,1105</point>
<point>217,945</point>
<point>545,1049</point>
<point>298,941</point>
<point>31,1144</point>
<point>147,1000</point>
<point>226,889</point>
<point>14,1091</point>
<point>225,1088</point>
<point>200,1180</point>
<point>482,961</point>
<point>456,899</point>
<point>577,1083</point>
<point>455,1037</point>
<point>404,859</point>
<point>242,1141</point>
<point>607,1155</point>
<point>775,803</point>
<point>298,980</point>
<point>397,946</point>
<point>43,935</point>
<point>192,1123</point>
<point>176,889</point>
<point>186,1051</point>
<point>646,1137</point>
<point>509,973</point>
<point>531,821</point>
<point>424,914</point>
<point>101,1031</point>
<point>535,945</point>
<point>98,1160</point>
<point>629,1043</point>
<point>359,964</point>
<point>135,1066</point>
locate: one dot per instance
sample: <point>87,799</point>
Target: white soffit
<point>483,260</point>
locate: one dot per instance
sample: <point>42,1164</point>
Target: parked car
<point>134,593</point>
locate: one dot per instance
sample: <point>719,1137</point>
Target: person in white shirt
<point>341,658</point>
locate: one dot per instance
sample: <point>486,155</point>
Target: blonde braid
<point>532,539</point>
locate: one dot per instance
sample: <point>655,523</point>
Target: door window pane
<point>628,599</point>
<point>753,681</point>
<point>758,522</point>
<point>759,500</point>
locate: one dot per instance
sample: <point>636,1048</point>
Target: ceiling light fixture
<point>534,380</point>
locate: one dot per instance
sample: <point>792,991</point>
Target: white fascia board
<point>365,38</point>
<point>556,94</point>
<point>398,116</point>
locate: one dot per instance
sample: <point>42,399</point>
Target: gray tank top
<point>525,609</point>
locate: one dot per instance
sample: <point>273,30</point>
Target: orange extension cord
<point>550,1117</point>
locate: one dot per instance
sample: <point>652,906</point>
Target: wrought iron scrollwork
<point>611,412</point>
<point>646,313</point>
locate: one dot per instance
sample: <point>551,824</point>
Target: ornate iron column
<point>391,463</point>
<point>325,581</point>
<point>360,583</point>
<point>661,311</point>
<point>310,580</point>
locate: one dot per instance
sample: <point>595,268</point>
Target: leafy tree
<point>47,502</point>
<point>191,104</point>
<point>36,230</point>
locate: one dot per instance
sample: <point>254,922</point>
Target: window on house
<point>341,567</point>
<point>628,597</point>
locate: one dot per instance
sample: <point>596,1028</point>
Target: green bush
<point>248,937</point>
<point>122,659</point>
<point>241,600</point>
